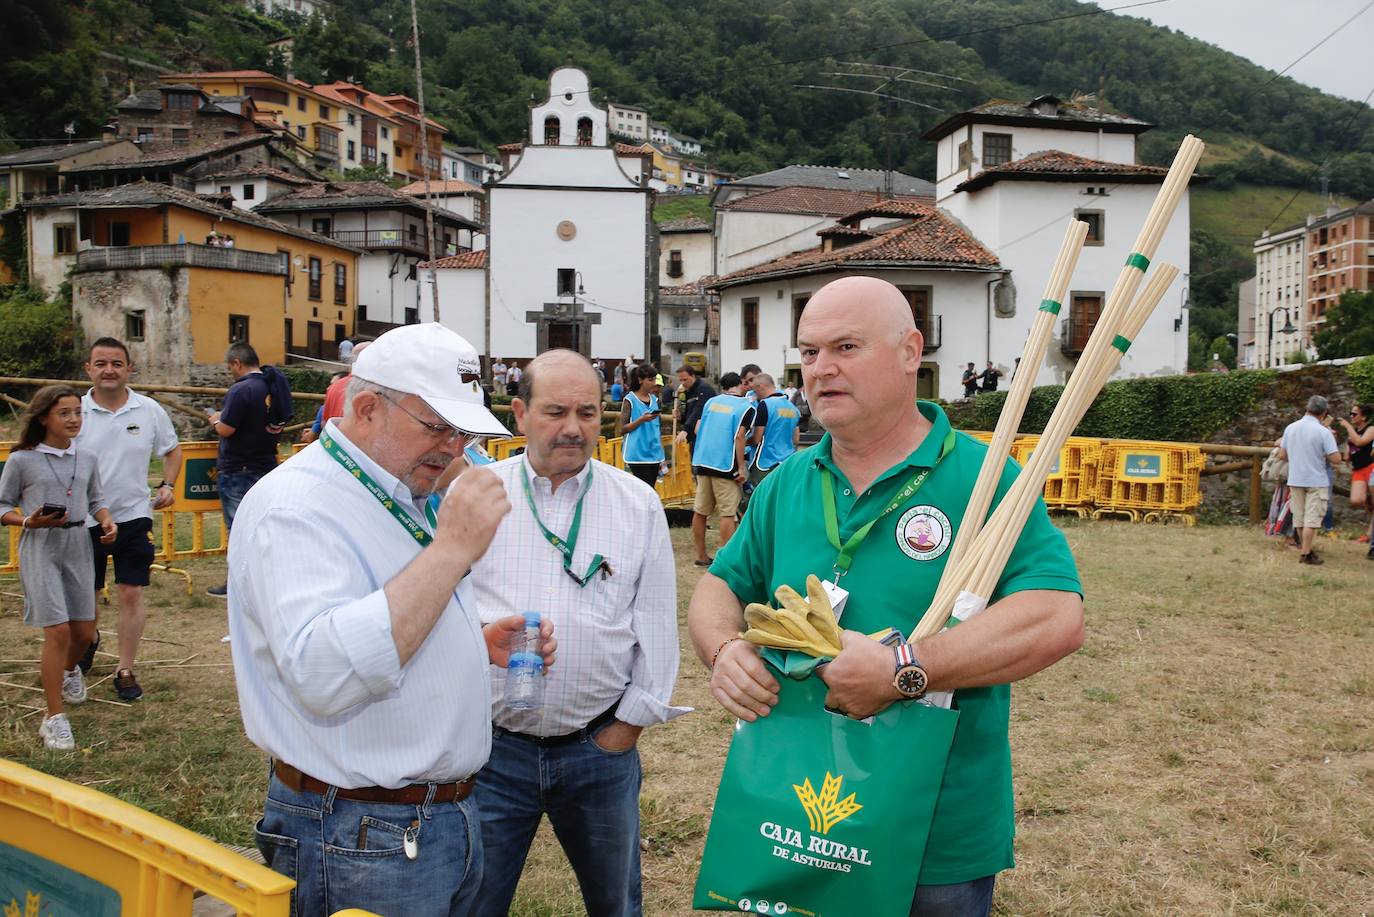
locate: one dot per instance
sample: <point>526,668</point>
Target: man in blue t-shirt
<point>247,443</point>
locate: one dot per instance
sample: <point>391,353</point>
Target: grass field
<point>680,206</point>
<point>1239,215</point>
<point>1210,750</point>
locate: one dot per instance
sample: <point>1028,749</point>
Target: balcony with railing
<point>1074,332</point>
<point>931,328</point>
<point>692,334</point>
<point>184,255</point>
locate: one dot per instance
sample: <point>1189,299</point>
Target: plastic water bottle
<point>524,681</point>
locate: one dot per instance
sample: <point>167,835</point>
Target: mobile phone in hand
<point>52,509</point>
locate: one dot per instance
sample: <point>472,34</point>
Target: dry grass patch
<point>1209,751</point>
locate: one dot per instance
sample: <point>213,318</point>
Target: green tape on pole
<point>1137,260</point>
<point>1121,343</point>
<point>1050,306</point>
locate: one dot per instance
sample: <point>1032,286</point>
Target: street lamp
<point>1286,329</point>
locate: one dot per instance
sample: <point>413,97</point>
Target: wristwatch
<point>910,679</point>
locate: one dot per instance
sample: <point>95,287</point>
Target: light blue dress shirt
<point>320,683</point>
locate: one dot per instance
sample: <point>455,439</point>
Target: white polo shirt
<point>1308,442</point>
<point>123,442</point>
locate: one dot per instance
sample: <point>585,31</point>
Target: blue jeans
<point>344,854</point>
<point>232,487</point>
<point>962,899</point>
<point>592,799</point>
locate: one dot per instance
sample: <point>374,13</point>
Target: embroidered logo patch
<point>923,532</point>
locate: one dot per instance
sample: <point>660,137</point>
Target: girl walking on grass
<point>48,488</point>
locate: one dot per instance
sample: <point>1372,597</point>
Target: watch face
<point>911,681</point>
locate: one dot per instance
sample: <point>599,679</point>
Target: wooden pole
<point>1256,490</point>
<point>147,387</point>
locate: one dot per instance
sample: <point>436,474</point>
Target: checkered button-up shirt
<point>617,636</point>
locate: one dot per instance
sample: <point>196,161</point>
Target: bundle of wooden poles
<point>980,550</point>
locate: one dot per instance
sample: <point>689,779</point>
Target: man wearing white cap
<point>360,659</point>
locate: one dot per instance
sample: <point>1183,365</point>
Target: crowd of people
<point>1302,467</point>
<point>383,671</point>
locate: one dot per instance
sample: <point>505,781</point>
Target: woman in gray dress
<point>48,488</point>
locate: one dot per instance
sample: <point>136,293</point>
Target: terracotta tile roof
<point>687,224</point>
<point>56,153</point>
<point>907,207</point>
<point>269,172</point>
<point>796,199</point>
<point>928,240</point>
<point>181,155</point>
<point>142,194</point>
<point>354,195</point>
<point>1056,165</point>
<point>449,186</point>
<point>1042,111</point>
<point>840,178</point>
<point>462,260</point>
<point>695,288</point>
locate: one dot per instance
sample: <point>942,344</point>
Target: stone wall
<point>1280,403</point>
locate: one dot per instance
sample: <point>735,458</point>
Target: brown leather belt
<point>412,795</point>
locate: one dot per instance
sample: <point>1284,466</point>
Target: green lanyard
<point>406,520</point>
<point>566,546</point>
<point>832,525</point>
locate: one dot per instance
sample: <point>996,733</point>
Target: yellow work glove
<point>801,624</point>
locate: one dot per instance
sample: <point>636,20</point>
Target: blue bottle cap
<point>531,619</point>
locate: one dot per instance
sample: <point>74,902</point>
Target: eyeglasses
<point>445,432</point>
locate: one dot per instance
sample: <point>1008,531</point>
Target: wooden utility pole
<point>424,158</point>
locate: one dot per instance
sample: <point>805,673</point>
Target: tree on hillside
<point>1349,327</point>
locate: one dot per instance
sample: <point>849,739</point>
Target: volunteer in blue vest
<point>897,464</point>
<point>718,462</point>
<point>639,424</point>
<point>777,429</point>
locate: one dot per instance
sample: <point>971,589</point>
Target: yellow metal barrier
<point>1072,482</point>
<point>74,850</point>
<point>1153,481</point>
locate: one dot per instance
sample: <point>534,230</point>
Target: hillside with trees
<point>727,72</point>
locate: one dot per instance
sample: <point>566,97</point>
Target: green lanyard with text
<point>406,520</point>
<point>832,525</point>
<point>565,546</point>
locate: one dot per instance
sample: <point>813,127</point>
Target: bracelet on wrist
<point>162,484</point>
<point>716,654</point>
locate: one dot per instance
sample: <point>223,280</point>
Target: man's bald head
<point>860,353</point>
<point>566,365</point>
<point>869,303</point>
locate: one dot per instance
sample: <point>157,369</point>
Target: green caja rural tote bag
<point>820,815</point>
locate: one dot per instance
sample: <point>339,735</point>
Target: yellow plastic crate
<point>1155,481</point>
<point>69,849</point>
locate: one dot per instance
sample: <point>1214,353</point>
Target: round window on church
<point>567,230</point>
<point>568,97</point>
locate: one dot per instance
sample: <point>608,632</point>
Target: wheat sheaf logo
<point>826,810</point>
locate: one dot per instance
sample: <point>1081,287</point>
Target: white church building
<point>973,261</point>
<point>571,257</point>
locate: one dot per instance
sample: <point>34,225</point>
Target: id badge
<point>836,595</point>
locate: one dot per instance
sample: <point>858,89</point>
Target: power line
<point>1345,134</point>
<point>1333,34</point>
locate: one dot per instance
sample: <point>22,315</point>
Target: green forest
<point>728,72</point>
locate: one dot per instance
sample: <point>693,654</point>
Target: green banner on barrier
<point>1141,466</point>
<point>31,885</point>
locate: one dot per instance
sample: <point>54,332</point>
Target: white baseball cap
<point>439,366</point>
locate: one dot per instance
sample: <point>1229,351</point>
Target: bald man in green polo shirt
<point>860,354</point>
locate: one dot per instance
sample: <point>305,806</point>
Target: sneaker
<point>1312,559</point>
<point>126,686</point>
<point>219,592</point>
<point>1370,555</point>
<point>73,687</point>
<point>56,733</point>
<point>88,659</point>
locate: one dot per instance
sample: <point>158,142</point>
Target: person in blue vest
<point>718,462</point>
<point>777,429</point>
<point>639,424</point>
